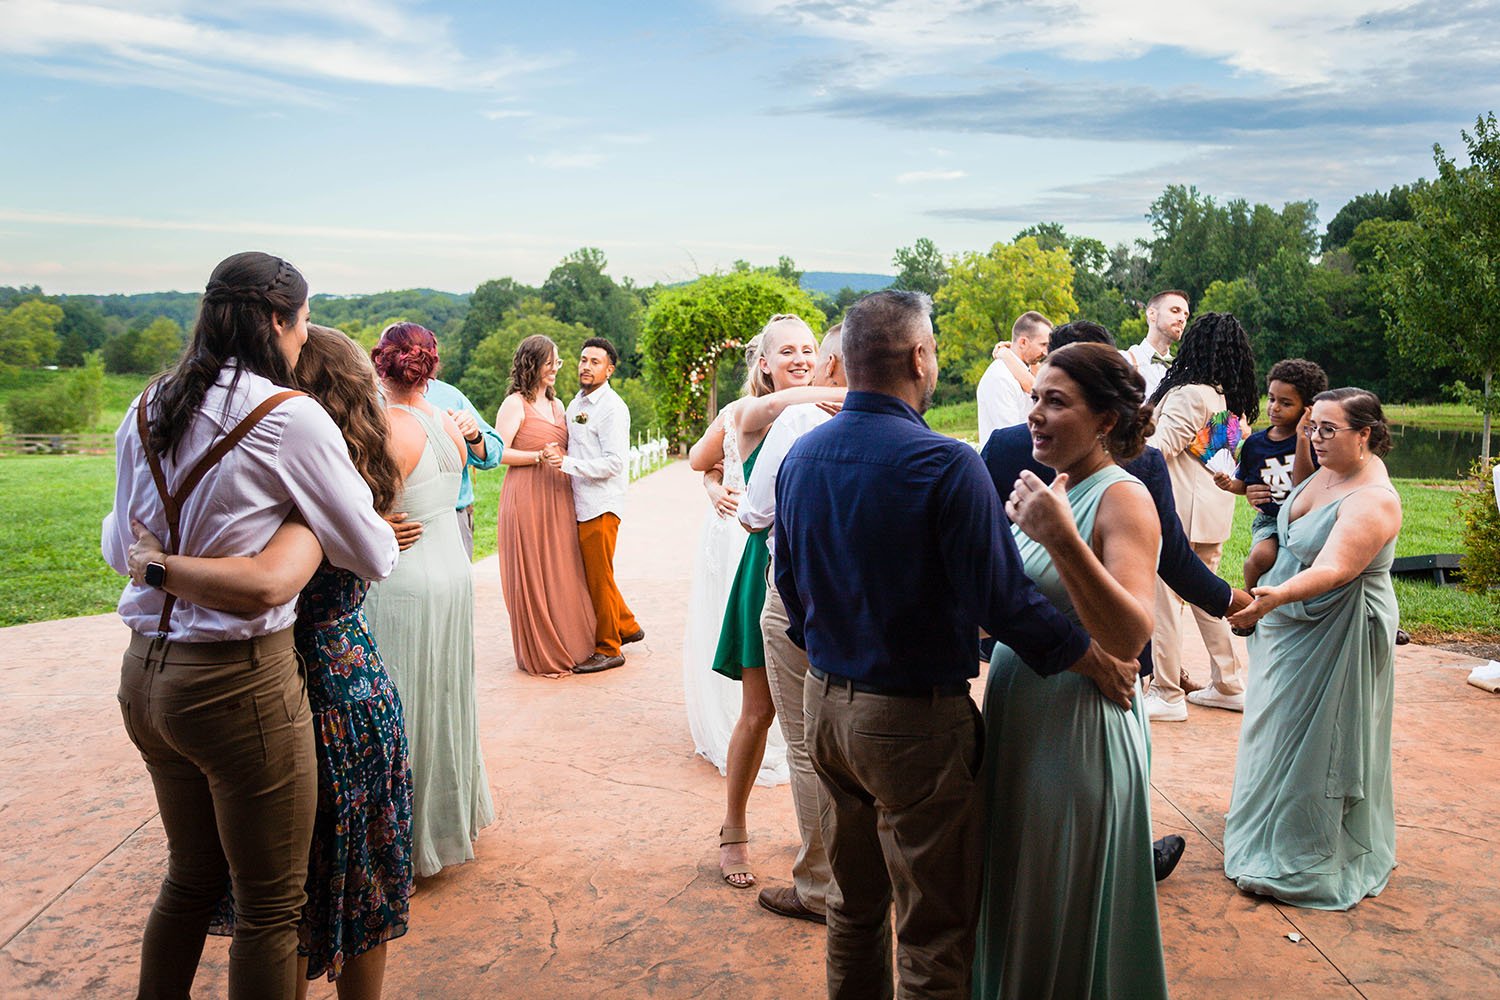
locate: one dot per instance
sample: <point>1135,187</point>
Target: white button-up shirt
<point>295,457</point>
<point>1002,401</point>
<point>1152,366</point>
<point>598,452</point>
<point>757,509</point>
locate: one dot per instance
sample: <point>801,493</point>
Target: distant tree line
<point>1397,294</point>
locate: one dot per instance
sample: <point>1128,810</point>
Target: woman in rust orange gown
<point>541,568</point>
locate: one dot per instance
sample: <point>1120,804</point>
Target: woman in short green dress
<point>1312,817</point>
<point>1068,899</point>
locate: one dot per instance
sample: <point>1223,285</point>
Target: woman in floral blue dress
<point>360,868</point>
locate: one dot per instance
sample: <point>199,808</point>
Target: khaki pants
<point>1166,640</point>
<point>901,821</point>
<point>612,617</point>
<point>225,730</point>
<point>786,672</point>
<point>466,529</point>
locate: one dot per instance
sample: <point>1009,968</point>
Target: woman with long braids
<point>360,870</point>
<point>212,459</point>
<point>1204,405</point>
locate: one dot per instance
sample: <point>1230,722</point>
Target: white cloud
<point>502,114</point>
<point>920,176</point>
<point>226,52</point>
<point>568,161</point>
<point>1291,42</point>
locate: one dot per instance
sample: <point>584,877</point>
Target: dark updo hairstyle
<point>406,355</point>
<point>1362,409</point>
<point>1307,377</point>
<point>1080,331</point>
<point>337,373</point>
<point>243,294</point>
<point>532,356</point>
<point>1216,351</point>
<point>1110,384</point>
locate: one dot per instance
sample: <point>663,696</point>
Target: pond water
<point>1427,454</point>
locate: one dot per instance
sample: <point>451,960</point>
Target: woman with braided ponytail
<point>1204,406</point>
<point>212,459</point>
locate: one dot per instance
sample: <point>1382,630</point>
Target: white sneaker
<point>1212,697</point>
<point>1158,709</point>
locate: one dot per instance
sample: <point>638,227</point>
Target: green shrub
<point>69,404</point>
<point>1480,530</point>
<point>642,406</point>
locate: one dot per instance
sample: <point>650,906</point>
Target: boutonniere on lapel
<point>582,418</point>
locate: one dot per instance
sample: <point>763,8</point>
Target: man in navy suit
<point>1008,452</point>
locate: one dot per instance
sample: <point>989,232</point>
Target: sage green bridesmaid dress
<point>1068,899</point>
<point>422,617</point>
<point>1312,817</point>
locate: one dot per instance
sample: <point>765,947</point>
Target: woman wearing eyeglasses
<point>1312,820</point>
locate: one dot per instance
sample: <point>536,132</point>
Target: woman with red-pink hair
<point>422,617</point>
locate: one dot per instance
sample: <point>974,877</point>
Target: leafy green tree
<point>69,403</point>
<point>581,292</point>
<point>487,376</point>
<point>641,404</point>
<point>1097,299</point>
<point>157,346</point>
<point>1442,285</point>
<point>987,291</point>
<point>692,328</point>
<point>1199,241</point>
<point>28,334</point>
<point>487,308</point>
<point>1394,205</point>
<point>84,328</point>
<point>920,267</point>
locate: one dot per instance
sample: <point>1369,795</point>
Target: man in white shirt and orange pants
<point>598,459</point>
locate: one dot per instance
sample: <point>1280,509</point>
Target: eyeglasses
<point>1323,432</point>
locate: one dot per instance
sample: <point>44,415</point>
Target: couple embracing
<point>1027,828</point>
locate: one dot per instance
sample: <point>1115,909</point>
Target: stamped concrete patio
<point>599,879</point>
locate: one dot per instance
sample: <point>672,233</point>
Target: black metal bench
<point>1442,568</point>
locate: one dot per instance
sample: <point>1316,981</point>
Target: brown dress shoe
<point>1188,684</point>
<point>635,636</point>
<point>599,662</point>
<point>785,902</point>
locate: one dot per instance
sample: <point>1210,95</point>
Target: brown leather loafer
<point>635,636</point>
<point>599,662</point>
<point>784,902</point>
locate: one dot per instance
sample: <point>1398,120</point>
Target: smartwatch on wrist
<point>156,574</point>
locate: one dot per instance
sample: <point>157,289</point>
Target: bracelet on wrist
<point>478,437</point>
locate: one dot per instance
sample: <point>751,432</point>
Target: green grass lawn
<point>53,505</point>
<point>962,419</point>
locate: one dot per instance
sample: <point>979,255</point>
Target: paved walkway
<point>599,879</point>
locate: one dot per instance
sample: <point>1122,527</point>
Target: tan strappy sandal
<point>735,835</point>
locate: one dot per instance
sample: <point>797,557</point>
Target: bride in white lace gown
<point>713,700</point>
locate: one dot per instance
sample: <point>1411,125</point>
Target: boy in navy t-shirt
<point>1278,457</point>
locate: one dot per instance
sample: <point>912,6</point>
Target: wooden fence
<point>57,444</point>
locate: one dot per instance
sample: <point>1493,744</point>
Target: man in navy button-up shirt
<point>892,548</point>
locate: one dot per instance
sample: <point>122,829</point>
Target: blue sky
<point>391,144</point>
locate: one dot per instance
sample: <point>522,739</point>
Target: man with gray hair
<point>891,552</point>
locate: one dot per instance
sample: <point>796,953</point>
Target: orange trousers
<point>613,618</point>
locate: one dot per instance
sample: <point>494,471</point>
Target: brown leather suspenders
<point>172,502</point>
